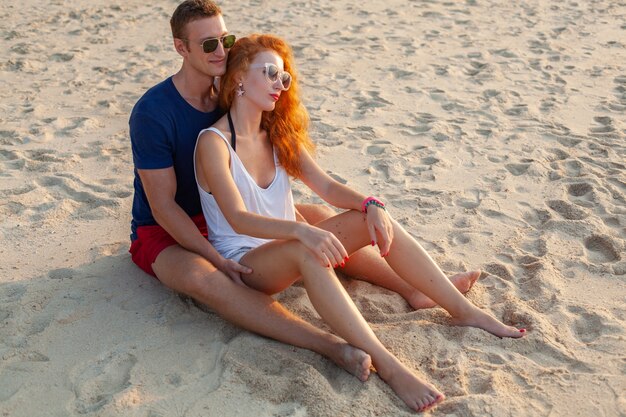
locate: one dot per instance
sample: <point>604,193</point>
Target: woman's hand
<point>325,245</point>
<point>233,270</point>
<point>379,224</point>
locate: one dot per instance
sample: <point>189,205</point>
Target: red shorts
<point>151,240</point>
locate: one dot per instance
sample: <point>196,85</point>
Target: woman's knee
<point>301,254</point>
<point>315,213</point>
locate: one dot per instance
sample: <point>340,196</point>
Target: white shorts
<point>237,254</point>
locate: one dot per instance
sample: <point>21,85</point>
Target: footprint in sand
<point>574,168</point>
<point>547,104</point>
<point>537,247</point>
<point>96,383</point>
<point>531,281</point>
<point>471,202</point>
<point>9,155</point>
<point>567,210</point>
<point>11,137</point>
<point>517,110</point>
<point>517,169</point>
<point>590,326</point>
<point>376,150</point>
<point>555,155</point>
<point>476,68</point>
<point>619,104</point>
<point>604,127</point>
<point>579,189</point>
<point>537,218</point>
<point>457,239</point>
<point>602,249</point>
<point>499,270</point>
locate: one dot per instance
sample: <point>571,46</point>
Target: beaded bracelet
<point>371,201</point>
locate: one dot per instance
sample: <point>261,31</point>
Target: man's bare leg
<point>192,275</point>
<point>367,265</point>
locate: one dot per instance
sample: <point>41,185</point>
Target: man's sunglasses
<point>210,45</point>
<point>273,73</point>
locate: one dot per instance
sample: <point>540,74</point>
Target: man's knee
<point>199,282</point>
<point>190,274</point>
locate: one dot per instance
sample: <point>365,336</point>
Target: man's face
<point>212,64</point>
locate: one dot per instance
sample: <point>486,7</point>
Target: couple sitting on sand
<point>214,218</point>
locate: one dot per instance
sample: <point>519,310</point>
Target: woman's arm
<point>212,162</point>
<point>342,196</point>
<point>331,191</point>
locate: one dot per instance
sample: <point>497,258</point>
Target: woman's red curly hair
<point>287,126</point>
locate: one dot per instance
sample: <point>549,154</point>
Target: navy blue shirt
<point>163,133</point>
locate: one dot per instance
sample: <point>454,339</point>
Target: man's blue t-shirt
<point>163,133</point>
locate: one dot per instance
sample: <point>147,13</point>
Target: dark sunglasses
<point>210,45</point>
<point>273,73</point>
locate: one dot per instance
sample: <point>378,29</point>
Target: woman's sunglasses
<point>273,73</point>
<point>210,45</point>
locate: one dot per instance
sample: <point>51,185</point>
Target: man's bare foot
<point>463,281</point>
<point>419,395</point>
<point>354,360</point>
<point>482,320</point>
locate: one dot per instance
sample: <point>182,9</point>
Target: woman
<point>243,164</point>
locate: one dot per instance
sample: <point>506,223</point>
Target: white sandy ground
<point>496,131</point>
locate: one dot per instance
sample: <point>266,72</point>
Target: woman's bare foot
<point>463,281</point>
<point>354,361</point>
<point>482,320</point>
<point>419,395</point>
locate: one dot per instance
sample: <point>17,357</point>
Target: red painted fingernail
<point>336,265</point>
<point>522,330</point>
<point>346,258</point>
<point>343,264</point>
<point>373,243</point>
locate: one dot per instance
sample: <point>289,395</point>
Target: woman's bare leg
<point>278,264</point>
<point>366,264</point>
<point>411,262</point>
<point>191,274</point>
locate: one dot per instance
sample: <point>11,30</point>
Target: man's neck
<point>197,89</point>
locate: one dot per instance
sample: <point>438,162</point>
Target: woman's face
<point>256,84</point>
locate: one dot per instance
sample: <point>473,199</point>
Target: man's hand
<point>233,270</point>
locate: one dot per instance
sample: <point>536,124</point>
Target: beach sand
<point>495,131</point>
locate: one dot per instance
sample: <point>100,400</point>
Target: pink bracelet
<point>369,201</point>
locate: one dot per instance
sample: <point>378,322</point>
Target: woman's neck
<point>246,118</point>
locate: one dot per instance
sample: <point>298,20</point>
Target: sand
<point>496,131</point>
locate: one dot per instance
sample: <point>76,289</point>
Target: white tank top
<point>275,201</point>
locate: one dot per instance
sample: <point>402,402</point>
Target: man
<point>169,236</point>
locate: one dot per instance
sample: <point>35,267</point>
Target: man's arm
<point>160,188</point>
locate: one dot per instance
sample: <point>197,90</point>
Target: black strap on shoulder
<point>233,135</point>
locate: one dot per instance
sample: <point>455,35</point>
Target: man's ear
<point>181,47</point>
